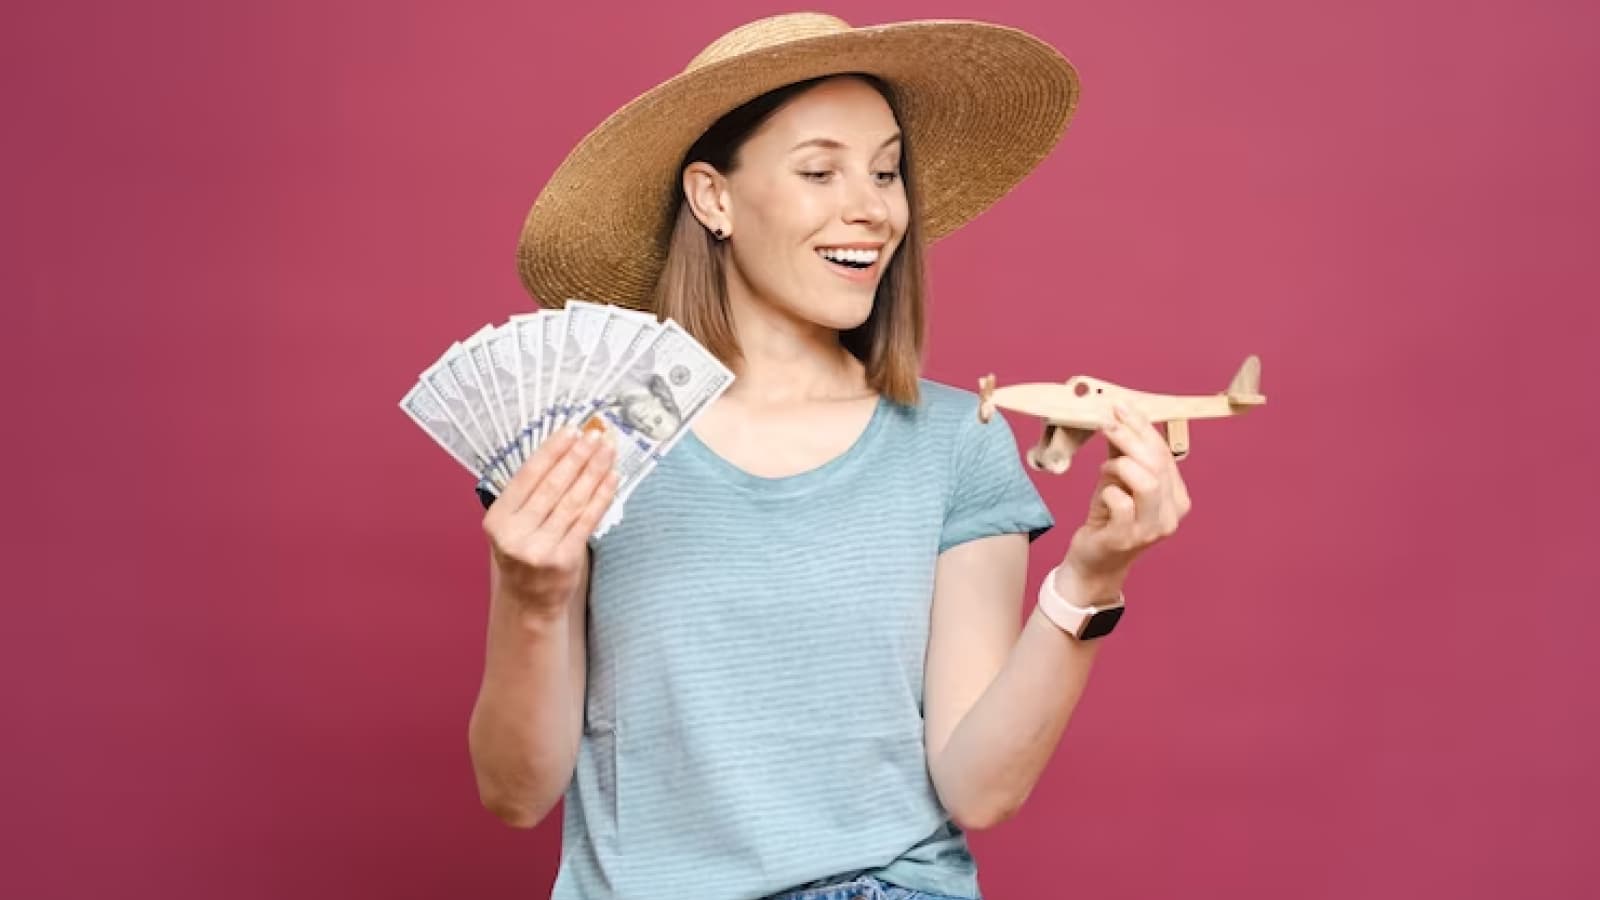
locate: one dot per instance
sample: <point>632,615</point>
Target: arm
<point>525,726</point>
<point>996,701</point>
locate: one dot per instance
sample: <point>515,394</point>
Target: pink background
<point>245,596</point>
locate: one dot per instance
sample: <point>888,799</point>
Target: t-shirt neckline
<point>697,449</point>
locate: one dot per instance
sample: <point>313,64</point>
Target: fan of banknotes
<point>491,399</point>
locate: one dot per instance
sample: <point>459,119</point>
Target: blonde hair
<point>692,288</point>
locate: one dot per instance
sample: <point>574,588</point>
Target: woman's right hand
<point>539,526</point>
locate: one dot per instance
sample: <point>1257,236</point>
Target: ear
<point>706,191</point>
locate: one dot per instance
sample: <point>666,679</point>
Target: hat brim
<point>980,105</point>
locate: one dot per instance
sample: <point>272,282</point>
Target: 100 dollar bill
<point>652,400</point>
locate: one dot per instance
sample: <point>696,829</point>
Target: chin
<point>843,316</point>
<point>832,308</point>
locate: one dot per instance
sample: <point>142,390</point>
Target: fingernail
<point>1122,411</point>
<point>592,435</point>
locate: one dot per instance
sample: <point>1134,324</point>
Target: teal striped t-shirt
<point>756,647</point>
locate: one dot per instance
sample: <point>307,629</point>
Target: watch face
<point>1101,623</point>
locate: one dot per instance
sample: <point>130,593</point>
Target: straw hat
<point>980,104</point>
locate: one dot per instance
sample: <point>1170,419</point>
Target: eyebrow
<point>831,144</point>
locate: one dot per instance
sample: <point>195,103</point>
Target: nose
<point>866,204</point>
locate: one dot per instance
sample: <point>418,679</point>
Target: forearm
<point>1000,747</point>
<point>525,725</point>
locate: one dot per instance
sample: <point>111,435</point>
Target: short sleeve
<point>990,491</point>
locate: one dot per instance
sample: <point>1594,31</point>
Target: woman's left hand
<point>1138,501</point>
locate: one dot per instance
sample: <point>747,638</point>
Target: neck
<point>786,359</point>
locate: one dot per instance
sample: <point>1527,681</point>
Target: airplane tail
<point>1245,389</point>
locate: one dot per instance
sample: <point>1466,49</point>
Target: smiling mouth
<point>861,265</point>
<point>851,258</point>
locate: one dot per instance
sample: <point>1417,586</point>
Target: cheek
<point>776,241</point>
<point>793,215</point>
<point>900,211</point>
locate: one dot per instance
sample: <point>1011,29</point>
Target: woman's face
<point>816,204</point>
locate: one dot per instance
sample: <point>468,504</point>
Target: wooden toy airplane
<point>1074,411</point>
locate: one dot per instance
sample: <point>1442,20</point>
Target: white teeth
<point>859,257</point>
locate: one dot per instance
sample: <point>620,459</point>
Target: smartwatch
<point>1085,623</point>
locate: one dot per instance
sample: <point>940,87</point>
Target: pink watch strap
<point>1067,617</point>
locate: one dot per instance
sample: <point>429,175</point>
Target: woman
<point>794,668</point>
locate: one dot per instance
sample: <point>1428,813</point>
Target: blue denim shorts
<point>861,887</point>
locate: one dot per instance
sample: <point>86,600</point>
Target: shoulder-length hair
<point>692,287</point>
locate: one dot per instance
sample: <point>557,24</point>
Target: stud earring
<point>720,234</point>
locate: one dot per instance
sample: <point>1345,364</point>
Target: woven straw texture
<point>981,105</point>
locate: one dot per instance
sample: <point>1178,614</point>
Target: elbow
<point>979,817</point>
<point>515,815</point>
<point>980,821</point>
<point>517,804</point>
<point>516,818</point>
<point>515,794</point>
<point>975,809</point>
